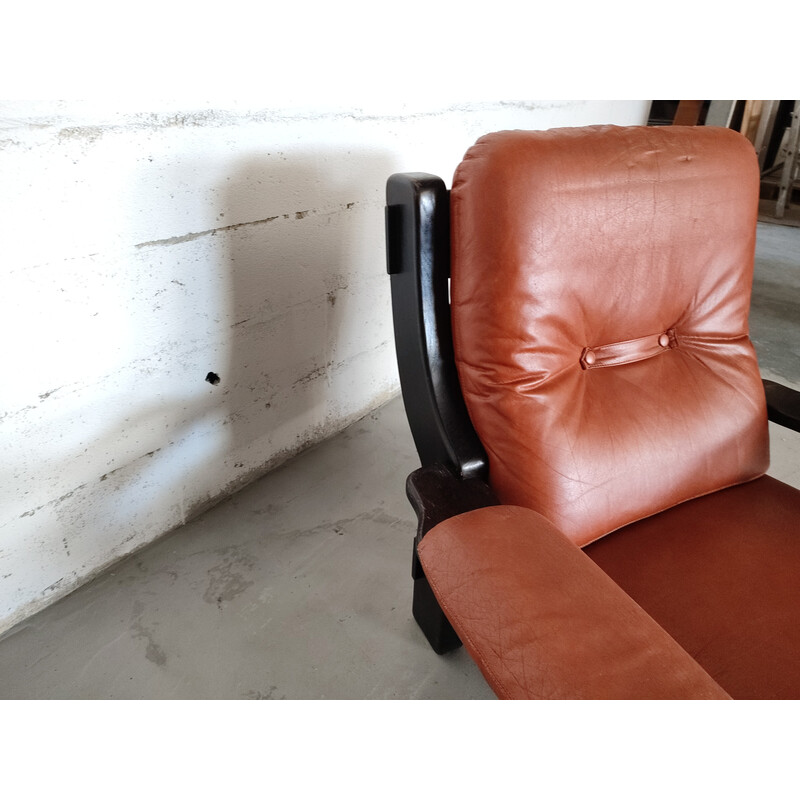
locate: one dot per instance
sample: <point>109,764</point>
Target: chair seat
<point>721,574</point>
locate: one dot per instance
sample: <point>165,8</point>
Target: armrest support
<point>783,405</point>
<point>543,621</point>
<point>436,494</point>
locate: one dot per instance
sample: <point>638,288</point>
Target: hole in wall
<point>212,378</point>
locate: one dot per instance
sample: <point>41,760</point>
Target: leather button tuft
<point>663,340</point>
<point>590,357</point>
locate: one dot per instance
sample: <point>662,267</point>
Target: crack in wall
<point>295,215</point>
<point>54,503</point>
<point>106,475</point>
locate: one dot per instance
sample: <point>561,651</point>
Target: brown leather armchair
<point>571,324</point>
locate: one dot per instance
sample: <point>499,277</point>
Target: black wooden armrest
<point>783,405</point>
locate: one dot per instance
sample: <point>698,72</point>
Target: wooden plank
<point>688,112</point>
<point>765,128</point>
<point>750,119</point>
<point>790,163</point>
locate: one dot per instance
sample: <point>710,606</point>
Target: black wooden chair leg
<point>430,617</point>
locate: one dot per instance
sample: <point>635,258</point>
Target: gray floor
<point>299,586</point>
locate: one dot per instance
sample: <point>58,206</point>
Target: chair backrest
<point>600,291</point>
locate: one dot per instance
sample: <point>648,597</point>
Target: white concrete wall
<point>144,247</point>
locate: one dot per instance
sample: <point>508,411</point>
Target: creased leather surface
<point>542,621</point>
<point>575,238</point>
<point>722,575</point>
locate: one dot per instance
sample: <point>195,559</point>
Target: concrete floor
<point>298,587</point>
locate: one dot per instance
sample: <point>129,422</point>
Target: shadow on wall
<point>264,331</point>
<point>308,305</point>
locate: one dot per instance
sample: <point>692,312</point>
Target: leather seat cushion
<point>720,574</point>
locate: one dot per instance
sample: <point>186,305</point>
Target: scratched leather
<point>579,238</point>
<point>543,621</point>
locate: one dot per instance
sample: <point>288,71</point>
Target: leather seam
<point>673,505</point>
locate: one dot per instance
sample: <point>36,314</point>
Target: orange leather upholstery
<point>542,621</point>
<point>722,575</point>
<point>660,224</point>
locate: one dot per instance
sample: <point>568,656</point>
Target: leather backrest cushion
<point>600,290</point>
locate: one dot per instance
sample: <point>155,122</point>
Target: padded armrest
<point>543,621</point>
<point>783,405</point>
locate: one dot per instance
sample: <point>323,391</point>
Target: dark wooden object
<point>783,405</point>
